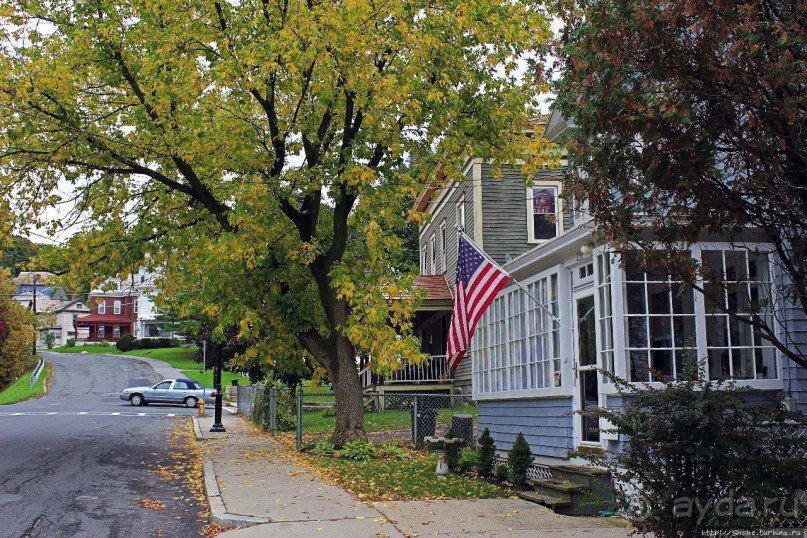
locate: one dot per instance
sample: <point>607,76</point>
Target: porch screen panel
<point>737,284</point>
<point>605,314</point>
<point>659,323</point>
<point>519,348</point>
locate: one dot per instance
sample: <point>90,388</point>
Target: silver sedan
<point>171,391</point>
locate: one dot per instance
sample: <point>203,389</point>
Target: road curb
<point>218,511</point>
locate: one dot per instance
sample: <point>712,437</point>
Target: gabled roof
<point>557,125</point>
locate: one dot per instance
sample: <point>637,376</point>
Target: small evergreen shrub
<point>487,454</point>
<point>502,472</point>
<point>519,459</point>
<point>71,342</point>
<point>125,343</point>
<point>468,459</point>
<point>358,450</point>
<point>50,339</point>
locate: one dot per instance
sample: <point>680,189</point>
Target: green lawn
<point>21,389</point>
<point>181,358</point>
<point>315,423</point>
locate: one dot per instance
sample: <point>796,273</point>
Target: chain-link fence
<point>393,416</point>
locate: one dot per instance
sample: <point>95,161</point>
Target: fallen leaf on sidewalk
<point>212,529</point>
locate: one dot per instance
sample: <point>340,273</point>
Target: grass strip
<point>22,390</point>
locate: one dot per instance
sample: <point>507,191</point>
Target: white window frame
<point>102,307</point>
<point>423,259</point>
<point>622,361</point>
<point>444,245</point>
<point>116,308</point>
<point>433,254</point>
<point>558,216</point>
<point>135,305</point>
<point>460,213</point>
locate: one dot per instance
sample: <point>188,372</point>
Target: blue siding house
<point>537,357</point>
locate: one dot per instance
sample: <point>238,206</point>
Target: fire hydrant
<point>201,405</point>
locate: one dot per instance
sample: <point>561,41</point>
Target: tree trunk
<point>338,356</point>
<point>349,405</point>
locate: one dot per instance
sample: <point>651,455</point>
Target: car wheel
<point>191,401</point>
<point>136,399</point>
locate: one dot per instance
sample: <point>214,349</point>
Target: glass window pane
<point>719,364</point>
<point>735,266</point>
<point>660,332</point>
<point>766,363</point>
<point>684,331</point>
<point>639,370</point>
<point>635,298</point>
<point>662,364</point>
<point>716,332</point>
<point>712,264</point>
<point>659,295</point>
<point>683,301</point>
<point>742,363</point>
<point>636,331</point>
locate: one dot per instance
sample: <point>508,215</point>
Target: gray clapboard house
<point>537,355</point>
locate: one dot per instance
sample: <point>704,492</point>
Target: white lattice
<point>535,471</point>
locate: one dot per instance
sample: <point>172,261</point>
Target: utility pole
<point>36,324</point>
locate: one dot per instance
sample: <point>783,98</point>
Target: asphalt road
<point>81,462</point>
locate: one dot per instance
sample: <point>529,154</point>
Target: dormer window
<point>545,220</point>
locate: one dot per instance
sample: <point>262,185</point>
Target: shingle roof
<point>436,287</point>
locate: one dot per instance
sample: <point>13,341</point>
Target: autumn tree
<point>690,124</point>
<point>16,323</point>
<point>254,151</point>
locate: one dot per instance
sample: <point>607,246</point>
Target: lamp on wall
<point>586,249</point>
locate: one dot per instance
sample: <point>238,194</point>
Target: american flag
<point>479,279</point>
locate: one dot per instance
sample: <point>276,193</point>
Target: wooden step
<point>547,500</point>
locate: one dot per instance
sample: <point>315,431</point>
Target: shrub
<point>329,411</point>
<point>125,342</point>
<point>323,447</point>
<point>71,342</point>
<point>468,459</point>
<point>502,472</point>
<point>390,452</point>
<point>487,454</point>
<point>358,450</point>
<point>519,459</point>
<point>696,443</point>
<point>50,339</point>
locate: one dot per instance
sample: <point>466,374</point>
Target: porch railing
<point>433,370</point>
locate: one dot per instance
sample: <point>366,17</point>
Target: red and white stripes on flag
<point>479,279</point>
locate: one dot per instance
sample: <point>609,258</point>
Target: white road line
<point>115,414</point>
<point>83,413</point>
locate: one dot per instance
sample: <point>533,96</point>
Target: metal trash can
<point>463,426</point>
<point>423,424</point>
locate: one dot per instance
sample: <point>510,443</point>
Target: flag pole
<point>516,282</point>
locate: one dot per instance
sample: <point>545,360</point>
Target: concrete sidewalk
<point>254,483</point>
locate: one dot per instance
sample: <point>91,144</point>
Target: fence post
<point>415,422</point>
<point>299,418</point>
<point>273,410</point>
